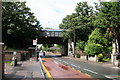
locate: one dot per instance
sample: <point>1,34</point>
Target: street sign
<point>34,42</point>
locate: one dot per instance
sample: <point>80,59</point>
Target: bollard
<point>14,59</point>
<point>44,53</point>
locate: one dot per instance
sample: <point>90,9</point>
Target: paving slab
<point>24,70</point>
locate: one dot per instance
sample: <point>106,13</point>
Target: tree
<point>97,43</point>
<point>80,45</point>
<point>19,25</point>
<point>81,21</point>
<point>109,18</point>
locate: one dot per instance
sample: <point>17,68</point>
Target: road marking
<point>107,76</point>
<point>66,62</point>
<point>47,72</point>
<point>90,71</point>
<point>87,74</point>
<point>56,62</point>
<point>59,60</point>
<point>75,66</point>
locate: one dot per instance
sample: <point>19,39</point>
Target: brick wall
<point>9,54</point>
<point>20,55</point>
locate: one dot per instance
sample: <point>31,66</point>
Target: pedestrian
<point>44,53</point>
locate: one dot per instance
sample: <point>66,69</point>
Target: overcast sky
<point>51,12</point>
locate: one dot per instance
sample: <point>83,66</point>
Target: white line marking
<point>66,62</point>
<point>74,65</point>
<point>90,71</point>
<point>107,76</point>
<point>59,60</point>
<point>56,62</point>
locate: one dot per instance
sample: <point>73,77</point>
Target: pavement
<point>25,70</point>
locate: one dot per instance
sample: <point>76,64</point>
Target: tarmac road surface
<point>59,71</point>
<point>93,69</point>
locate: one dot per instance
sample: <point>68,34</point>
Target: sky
<point>51,12</point>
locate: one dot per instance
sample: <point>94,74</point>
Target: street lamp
<point>74,35</point>
<point>74,42</point>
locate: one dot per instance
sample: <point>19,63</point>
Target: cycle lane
<point>60,71</point>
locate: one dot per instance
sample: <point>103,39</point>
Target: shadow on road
<point>51,56</point>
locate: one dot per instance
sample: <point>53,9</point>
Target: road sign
<point>34,42</point>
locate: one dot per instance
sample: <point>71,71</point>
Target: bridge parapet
<point>52,32</point>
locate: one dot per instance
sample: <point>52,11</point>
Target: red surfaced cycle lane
<point>60,71</point>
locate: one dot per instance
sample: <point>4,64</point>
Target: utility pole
<point>0,21</point>
<point>74,42</point>
<point>1,44</point>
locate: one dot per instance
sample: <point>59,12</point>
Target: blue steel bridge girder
<point>51,32</point>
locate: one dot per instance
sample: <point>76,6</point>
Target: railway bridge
<point>54,36</point>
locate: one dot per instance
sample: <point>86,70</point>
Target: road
<point>95,70</point>
<point>92,69</point>
<point>59,71</point>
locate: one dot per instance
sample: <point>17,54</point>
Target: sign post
<point>35,43</point>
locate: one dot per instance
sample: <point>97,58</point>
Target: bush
<point>106,59</point>
<point>80,45</point>
<point>100,57</point>
<point>93,48</point>
<point>78,55</point>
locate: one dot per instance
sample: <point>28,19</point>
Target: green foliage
<point>81,21</point>
<point>45,47</point>
<point>8,62</point>
<point>78,55</point>
<point>100,56</point>
<point>97,43</point>
<point>80,45</point>
<point>108,14</point>
<point>106,59</point>
<point>92,48</point>
<point>19,25</point>
<point>109,17</point>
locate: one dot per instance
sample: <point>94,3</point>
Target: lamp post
<point>74,42</point>
<point>76,18</point>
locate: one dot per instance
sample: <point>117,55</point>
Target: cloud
<point>51,12</point>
